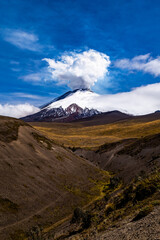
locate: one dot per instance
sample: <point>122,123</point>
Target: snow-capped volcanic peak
<point>73,105</point>
<point>84,98</point>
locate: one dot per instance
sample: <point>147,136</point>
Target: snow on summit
<point>83,98</point>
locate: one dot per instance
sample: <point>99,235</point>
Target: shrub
<point>79,216</point>
<point>35,233</point>
<point>144,190</point>
<point>107,197</point>
<point>143,212</point>
<point>109,209</point>
<point>128,193</point>
<point>86,220</point>
<point>123,199</point>
<point>119,201</point>
<point>114,181</point>
<point>156,202</point>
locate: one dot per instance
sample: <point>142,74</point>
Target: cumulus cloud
<point>79,70</point>
<point>144,63</point>
<point>17,111</point>
<point>22,39</point>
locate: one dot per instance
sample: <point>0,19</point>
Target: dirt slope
<point>41,182</point>
<point>146,228</point>
<point>127,158</point>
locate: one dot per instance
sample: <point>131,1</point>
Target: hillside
<point>127,158</point>
<point>41,182</point>
<point>102,129</point>
<point>130,206</point>
<point>130,150</point>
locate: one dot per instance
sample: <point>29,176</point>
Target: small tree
<point>79,216</point>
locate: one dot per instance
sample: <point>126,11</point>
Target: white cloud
<point>22,39</point>
<point>143,63</point>
<point>139,101</point>
<point>26,95</point>
<point>79,70</point>
<point>17,111</point>
<point>33,77</point>
<point>42,76</point>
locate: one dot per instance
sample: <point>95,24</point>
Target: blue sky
<point>31,30</point>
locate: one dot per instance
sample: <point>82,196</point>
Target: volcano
<point>73,105</point>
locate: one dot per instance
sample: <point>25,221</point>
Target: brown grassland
<point>76,134</point>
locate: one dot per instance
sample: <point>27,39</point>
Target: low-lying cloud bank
<point>139,101</point>
<point>17,111</point>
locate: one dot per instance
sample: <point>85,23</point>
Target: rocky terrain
<point>71,113</point>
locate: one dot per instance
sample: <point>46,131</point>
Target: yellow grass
<point>77,135</point>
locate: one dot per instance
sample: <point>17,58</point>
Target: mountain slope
<point>82,97</point>
<point>127,158</point>
<point>130,206</point>
<point>71,113</point>
<point>69,93</point>
<point>38,179</point>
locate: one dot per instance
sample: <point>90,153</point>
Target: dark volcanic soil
<point>127,158</point>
